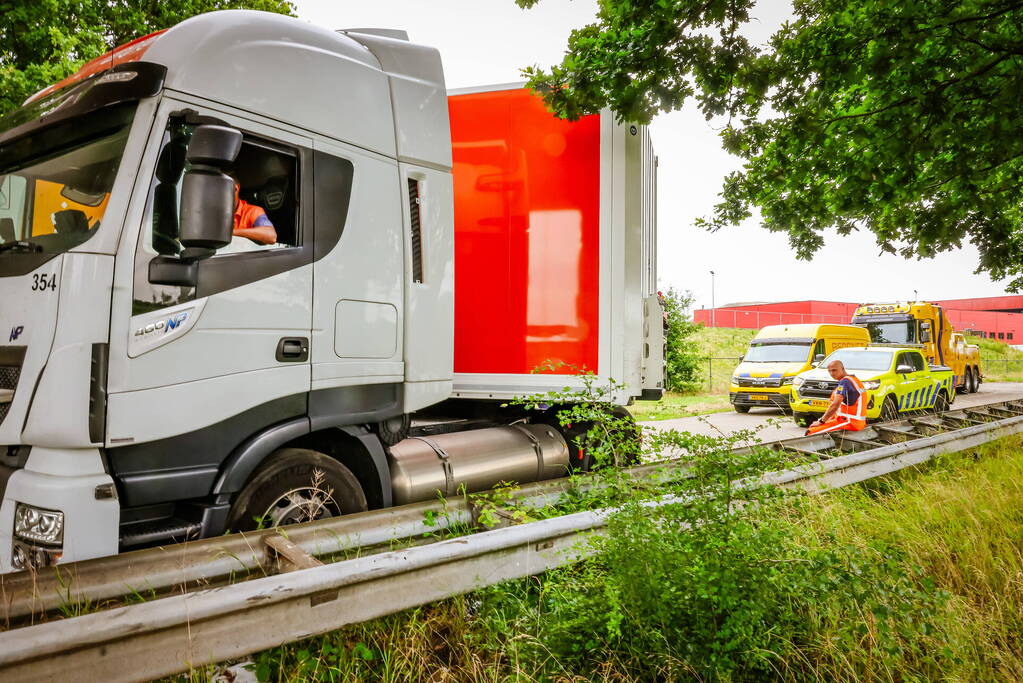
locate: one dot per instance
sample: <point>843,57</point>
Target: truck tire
<point>296,485</point>
<point>941,403</point>
<point>579,457</point>
<point>889,410</point>
<point>740,409</point>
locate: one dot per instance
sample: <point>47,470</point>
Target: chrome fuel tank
<point>422,466</point>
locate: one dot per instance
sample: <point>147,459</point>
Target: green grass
<point>675,405</point>
<point>710,396</point>
<point>1000,362</point>
<point>947,538</point>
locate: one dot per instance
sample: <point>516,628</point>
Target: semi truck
<point>163,379</point>
<point>925,326</point>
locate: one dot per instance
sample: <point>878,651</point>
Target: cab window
<point>266,179</point>
<point>267,215</point>
<point>818,350</point>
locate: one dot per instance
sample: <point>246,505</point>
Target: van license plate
<point>819,404</point>
<point>759,397</point>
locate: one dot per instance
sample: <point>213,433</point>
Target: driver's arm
<point>836,400</point>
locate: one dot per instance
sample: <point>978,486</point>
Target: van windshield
<point>777,353</point>
<point>858,359</point>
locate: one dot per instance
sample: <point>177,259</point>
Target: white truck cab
<point>162,378</point>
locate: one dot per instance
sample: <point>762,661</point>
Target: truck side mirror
<point>904,369</point>
<point>207,194</point>
<point>818,359</point>
<point>925,336</point>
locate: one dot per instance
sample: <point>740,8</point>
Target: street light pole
<point>712,306</point>
<point>915,295</point>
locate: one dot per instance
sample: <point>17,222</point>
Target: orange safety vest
<point>851,418</point>
<point>246,215</point>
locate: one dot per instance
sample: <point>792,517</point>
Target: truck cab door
<point>194,371</point>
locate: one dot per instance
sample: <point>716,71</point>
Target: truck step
<point>165,530</point>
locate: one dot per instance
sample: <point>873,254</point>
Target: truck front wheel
<point>296,485</point>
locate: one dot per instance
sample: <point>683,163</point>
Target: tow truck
<point>923,325</point>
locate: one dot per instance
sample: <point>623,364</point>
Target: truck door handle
<point>293,349</point>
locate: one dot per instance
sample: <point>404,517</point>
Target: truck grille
<point>760,381</point>
<point>817,388</point>
<point>11,358</point>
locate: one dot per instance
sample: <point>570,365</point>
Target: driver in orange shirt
<point>251,221</point>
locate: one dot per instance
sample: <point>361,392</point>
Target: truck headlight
<point>872,384</point>
<point>797,381</point>
<point>38,524</point>
<point>787,380</point>
<point>735,379</point>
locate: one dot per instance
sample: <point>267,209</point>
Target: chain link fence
<point>1002,369</point>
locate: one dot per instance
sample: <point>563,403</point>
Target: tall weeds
<point>917,578</point>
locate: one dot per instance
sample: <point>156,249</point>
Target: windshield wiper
<point>21,245</point>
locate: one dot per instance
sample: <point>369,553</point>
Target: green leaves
<point>898,118</point>
<point>44,41</point>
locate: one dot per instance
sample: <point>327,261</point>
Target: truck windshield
<point>855,359</point>
<point>777,353</point>
<point>55,183</point>
<point>892,333</point>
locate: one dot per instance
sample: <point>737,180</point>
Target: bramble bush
<point>681,356</point>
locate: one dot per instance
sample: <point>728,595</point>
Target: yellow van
<point>780,352</point>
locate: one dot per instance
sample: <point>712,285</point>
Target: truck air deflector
<point>122,83</point>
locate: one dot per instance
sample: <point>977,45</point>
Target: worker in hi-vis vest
<point>848,409</point>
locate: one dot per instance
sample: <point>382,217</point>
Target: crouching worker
<point>848,409</point>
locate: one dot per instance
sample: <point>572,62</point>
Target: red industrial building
<point>995,317</point>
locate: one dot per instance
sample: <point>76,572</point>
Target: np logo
<point>167,325</point>
<point>16,332</point>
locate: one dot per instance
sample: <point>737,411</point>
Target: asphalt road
<point>727,423</point>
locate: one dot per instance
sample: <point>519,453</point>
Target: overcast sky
<point>489,41</point>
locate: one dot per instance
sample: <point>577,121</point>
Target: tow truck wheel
<point>740,409</point>
<point>296,485</point>
<point>802,419</point>
<point>889,410</point>
<point>941,403</point>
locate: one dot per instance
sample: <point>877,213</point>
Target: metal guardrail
<point>172,634</point>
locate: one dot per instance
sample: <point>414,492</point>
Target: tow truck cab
<point>151,363</point>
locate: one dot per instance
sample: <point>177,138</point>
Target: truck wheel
<point>740,409</point>
<point>296,485</point>
<point>941,403</point>
<point>579,457</point>
<point>978,379</point>
<point>802,419</point>
<point>889,410</point>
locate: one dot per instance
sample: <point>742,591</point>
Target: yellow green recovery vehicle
<point>898,380</point>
